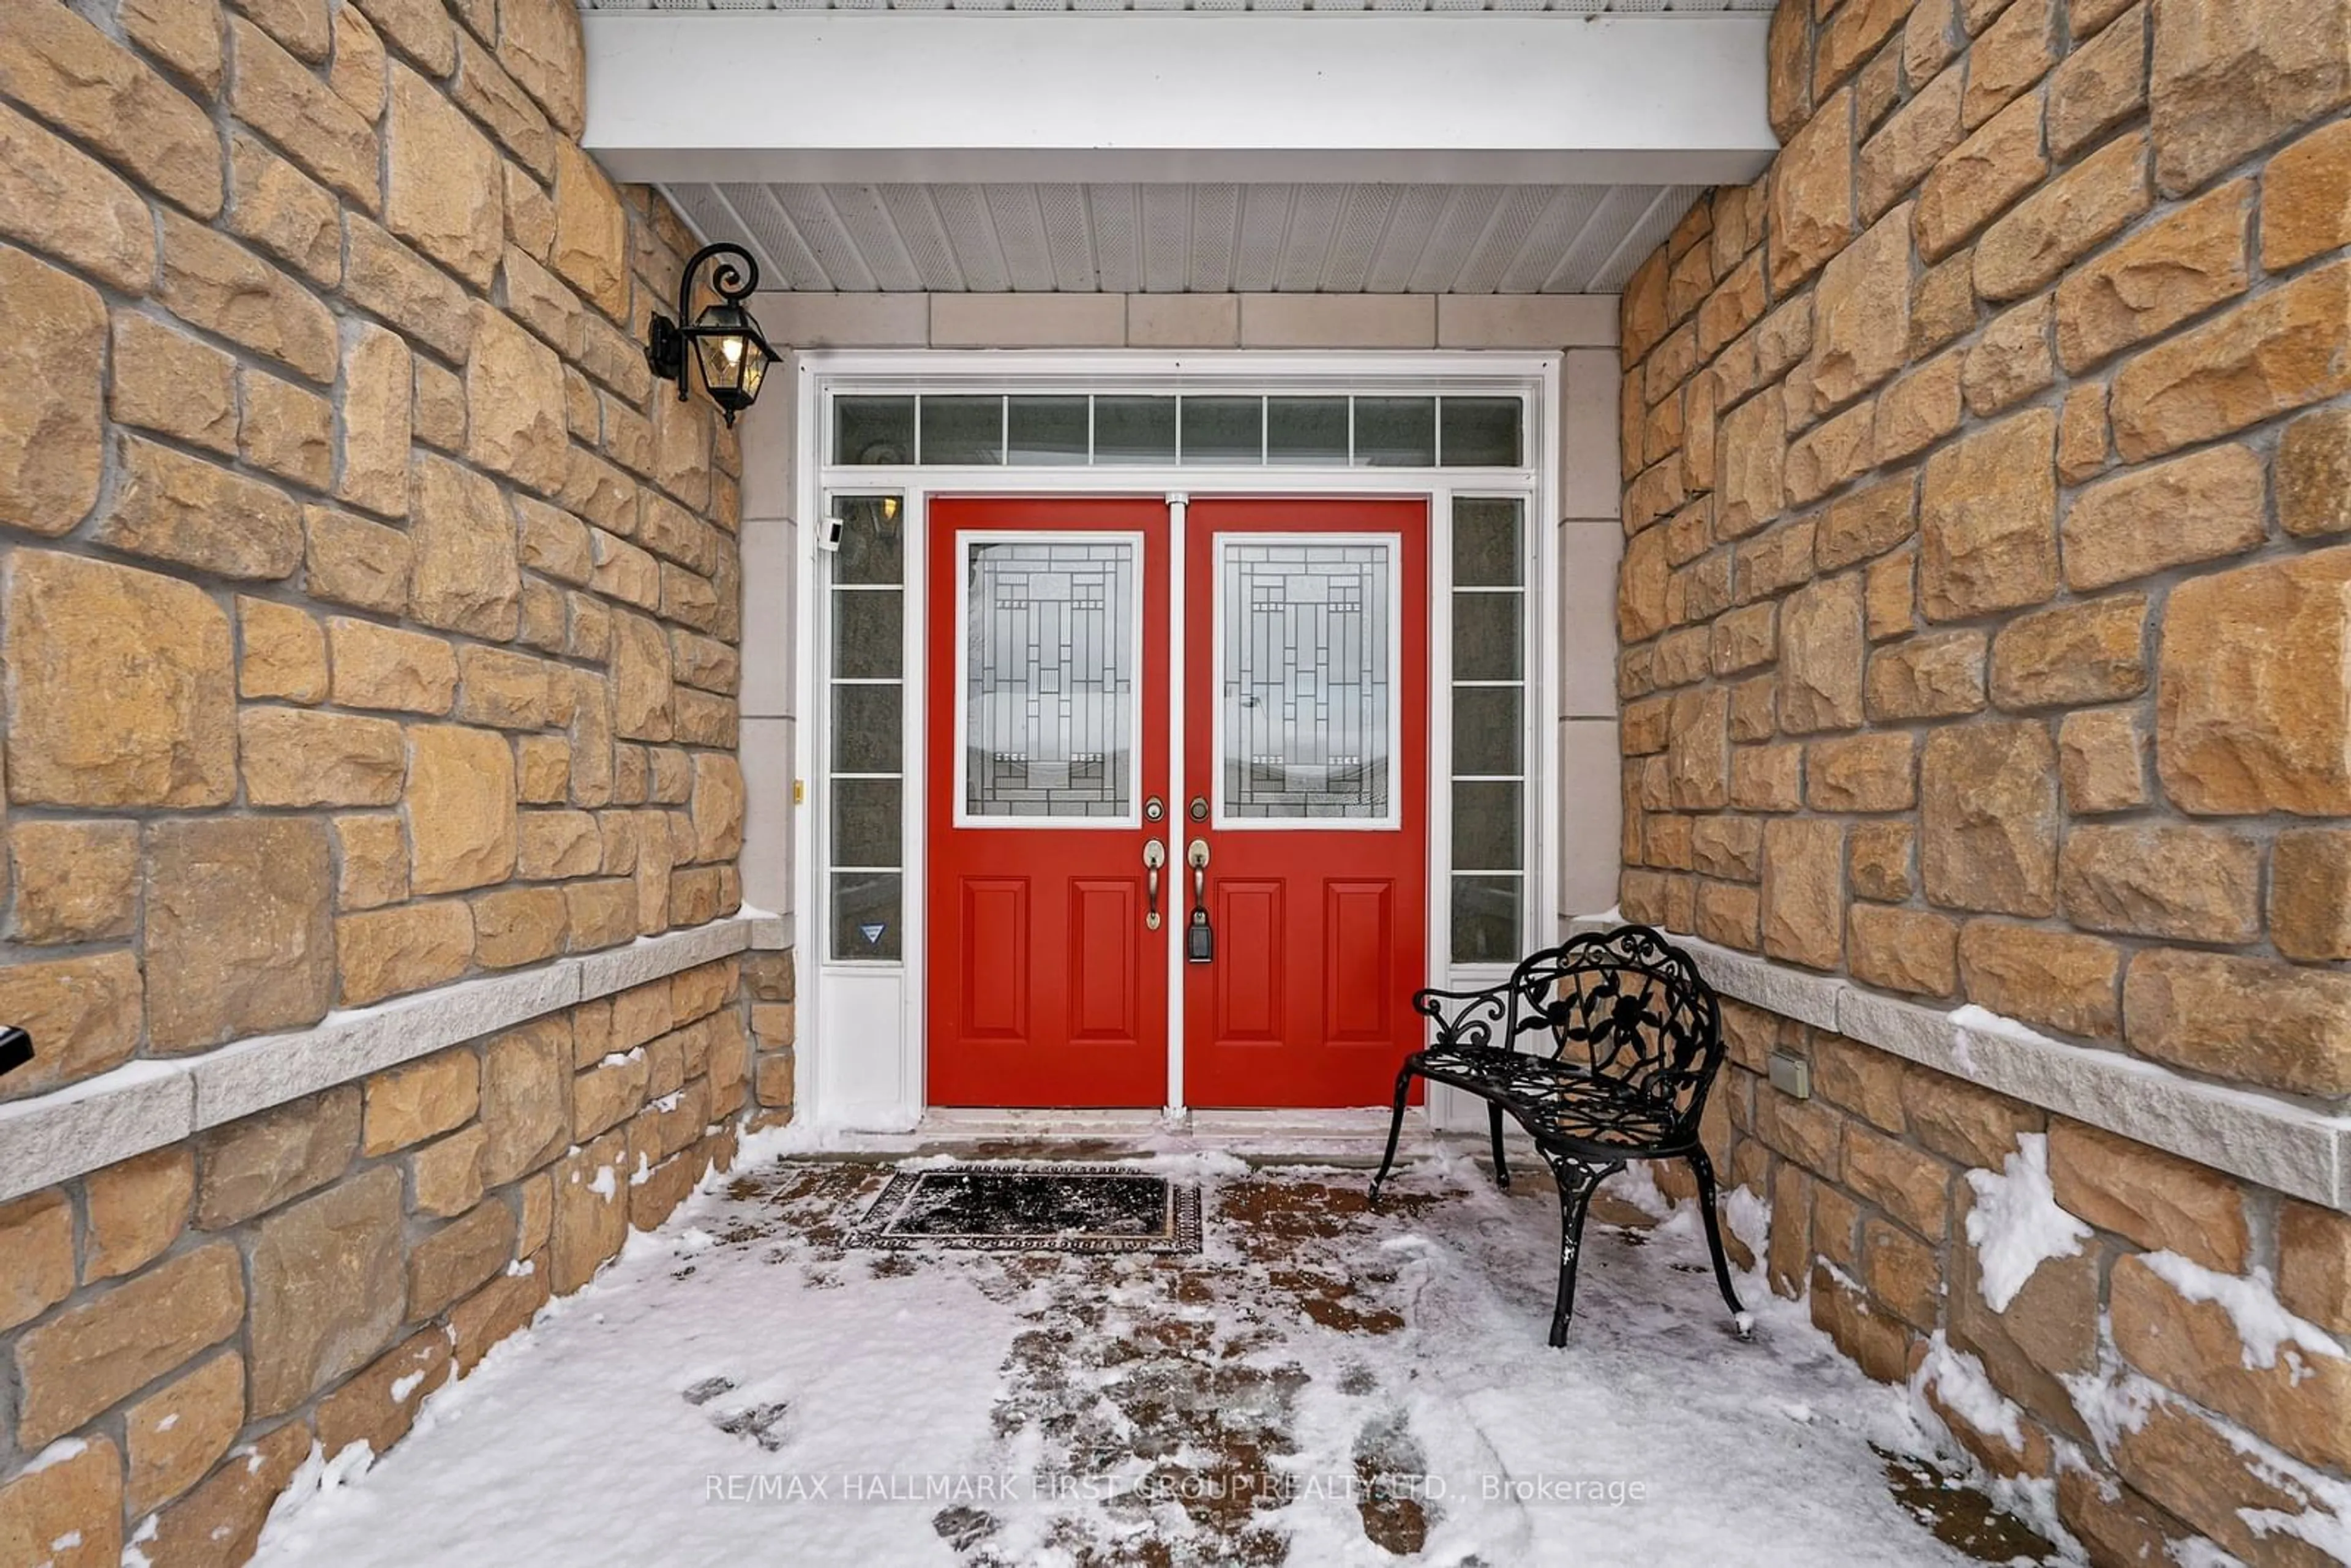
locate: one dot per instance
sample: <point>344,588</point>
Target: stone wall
<point>180,1330</point>
<point>368,618</point>
<point>369,613</point>
<point>1984,614</point>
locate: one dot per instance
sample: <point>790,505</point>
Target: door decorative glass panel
<point>1052,652</point>
<point>1306,713</point>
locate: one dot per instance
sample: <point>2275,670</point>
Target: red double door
<point>1055,679</point>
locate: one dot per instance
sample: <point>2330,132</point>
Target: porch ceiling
<point>1154,150</point>
<point>1206,238</point>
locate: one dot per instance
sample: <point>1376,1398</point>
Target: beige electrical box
<point>1791,1075</point>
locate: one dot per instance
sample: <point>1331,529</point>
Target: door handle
<point>1154,855</point>
<point>1200,942</point>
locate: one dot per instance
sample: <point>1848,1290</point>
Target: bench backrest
<point>1628,1007</point>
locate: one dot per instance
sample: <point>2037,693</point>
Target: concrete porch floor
<point>1323,1383</point>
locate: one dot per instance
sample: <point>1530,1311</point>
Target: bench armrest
<point>1467,1020</point>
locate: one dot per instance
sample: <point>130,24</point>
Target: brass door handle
<point>1154,855</point>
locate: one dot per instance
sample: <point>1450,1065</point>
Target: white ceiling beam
<point>891,97</point>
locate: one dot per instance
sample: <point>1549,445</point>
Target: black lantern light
<point>727,343</point>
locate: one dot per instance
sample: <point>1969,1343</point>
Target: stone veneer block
<point>1338,321</point>
<point>1028,320</point>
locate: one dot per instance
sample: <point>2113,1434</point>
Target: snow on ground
<point>1323,1386</point>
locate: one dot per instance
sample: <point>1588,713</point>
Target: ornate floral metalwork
<point>1603,1048</point>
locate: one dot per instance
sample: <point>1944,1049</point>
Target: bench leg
<point>1704,1169</point>
<point>1501,1168</point>
<point>1395,1129</point>
<point>1577,1183</point>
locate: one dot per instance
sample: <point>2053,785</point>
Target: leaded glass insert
<point>1048,683</point>
<point>1307,688</point>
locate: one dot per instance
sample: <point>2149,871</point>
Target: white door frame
<point>860,1066</point>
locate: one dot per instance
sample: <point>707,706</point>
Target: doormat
<point>1033,1208</point>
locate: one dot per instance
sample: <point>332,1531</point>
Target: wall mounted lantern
<point>726,340</point>
<point>16,1048</point>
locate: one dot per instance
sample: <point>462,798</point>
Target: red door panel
<point>1045,987</point>
<point>1321,926</point>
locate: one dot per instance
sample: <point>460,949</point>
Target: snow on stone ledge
<point>2016,1225</point>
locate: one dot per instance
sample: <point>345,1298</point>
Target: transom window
<point>1101,430</point>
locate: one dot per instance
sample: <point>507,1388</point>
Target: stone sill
<point>2261,1138</point>
<point>146,1104</point>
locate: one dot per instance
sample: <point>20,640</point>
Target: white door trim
<point>850,1075</point>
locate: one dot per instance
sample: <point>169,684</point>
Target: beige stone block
<point>2313,474</point>
<point>1889,596</point>
<point>1910,1185</point>
<point>1338,320</point>
<point>1499,320</point>
<point>642,690</point>
<point>2083,652</point>
<point>1872,772</point>
<point>2102,761</point>
<point>1176,320</point>
<point>91,1355</point>
<point>83,1013</point>
<point>1918,409</point>
<point>409,1104</point>
<point>1831,453</point>
<point>383,667</point>
<point>2162,1202</point>
<point>68,203</point>
<point>515,421</point>
<point>464,575</point>
<point>326,1289</point>
<point>2052,979</point>
<point>1804,896</point>
<point>250,1167</point>
<point>376,423</point>
<point>2011,361</point>
<point>64,69</point>
<point>526,1073</point>
<point>2082,434</point>
<point>2274,353</point>
<point>372,859</point>
<point>284,652</point>
<point>2102,84</point>
<point>163,381</point>
<point>124,688</point>
<point>135,1209</point>
<point>1028,320</point>
<point>592,233</point>
<point>390,952</point>
<point>186,37</point>
<point>76,881</point>
<point>357,70</point>
<point>444,1177</point>
<point>349,560</point>
<point>2192,1466</point>
<point>284,211</point>
<point>458,1258</point>
<point>1879,857</point>
<point>486,91</point>
<point>2301,1403</point>
<point>2252,700</point>
<point>1972,184</point>
<point>2210,503</point>
<point>226,1512</point>
<point>275,94</point>
<point>1811,194</point>
<point>380,1401</point>
<point>460,807</point>
<point>2307,198</point>
<point>2271,1024</point>
<point>36,1245</point>
<point>1989,815</point>
<point>2309,894</point>
<point>1910,950</point>
<point>1698,752</point>
<point>2190,884</point>
<point>519,926</point>
<point>540,43</point>
<point>2008,56</point>
<point>2230,76</point>
<point>2183,264</point>
<point>1987,512</point>
<point>2314,1277</point>
<point>76,1498</point>
<point>385,277</point>
<point>176,1434</point>
<point>1861,315</point>
<point>1961,1122</point>
<point>185,509</point>
<point>1910,144</point>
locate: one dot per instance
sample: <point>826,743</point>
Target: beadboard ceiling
<point>1203,239</point>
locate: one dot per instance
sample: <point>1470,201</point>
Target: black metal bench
<point>1628,1039</point>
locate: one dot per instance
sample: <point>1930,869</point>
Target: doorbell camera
<point>828,533</point>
